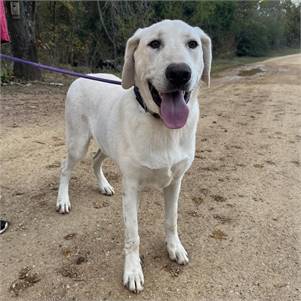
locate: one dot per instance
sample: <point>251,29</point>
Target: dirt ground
<point>239,216</point>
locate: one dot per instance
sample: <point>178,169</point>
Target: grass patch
<point>221,64</point>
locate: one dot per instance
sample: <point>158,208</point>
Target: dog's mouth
<point>173,106</point>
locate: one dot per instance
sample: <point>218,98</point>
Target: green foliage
<point>88,32</point>
<point>6,73</point>
<point>252,39</point>
<point>262,27</point>
<point>291,23</point>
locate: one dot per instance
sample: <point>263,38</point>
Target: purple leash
<point>57,70</point>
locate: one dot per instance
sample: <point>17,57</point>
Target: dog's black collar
<point>142,103</point>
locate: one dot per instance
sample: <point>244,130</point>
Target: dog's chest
<point>160,178</point>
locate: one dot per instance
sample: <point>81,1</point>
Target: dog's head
<point>167,61</point>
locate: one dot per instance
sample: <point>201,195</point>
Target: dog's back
<point>86,97</point>
<point>89,104</point>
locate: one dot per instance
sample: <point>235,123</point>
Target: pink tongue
<point>174,110</point>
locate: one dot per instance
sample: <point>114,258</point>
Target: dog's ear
<point>207,55</point>
<point>128,71</point>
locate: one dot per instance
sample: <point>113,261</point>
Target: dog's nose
<point>178,74</point>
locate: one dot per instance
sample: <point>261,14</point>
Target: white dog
<point>149,130</point>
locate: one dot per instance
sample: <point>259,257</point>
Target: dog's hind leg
<point>103,184</point>
<point>78,139</point>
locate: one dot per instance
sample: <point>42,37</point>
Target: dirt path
<point>240,216</point>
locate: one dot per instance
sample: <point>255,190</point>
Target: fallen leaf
<point>218,234</point>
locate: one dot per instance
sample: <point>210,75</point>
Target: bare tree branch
<point>103,23</point>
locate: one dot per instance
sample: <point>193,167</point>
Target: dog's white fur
<point>147,152</point>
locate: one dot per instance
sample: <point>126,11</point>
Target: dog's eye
<point>155,44</point>
<point>192,44</point>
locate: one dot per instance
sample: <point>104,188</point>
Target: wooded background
<point>94,33</point>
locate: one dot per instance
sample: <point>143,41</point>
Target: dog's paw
<point>106,189</point>
<point>63,206</point>
<point>133,277</point>
<point>177,252</point>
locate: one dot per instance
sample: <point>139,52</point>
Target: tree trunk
<point>23,39</point>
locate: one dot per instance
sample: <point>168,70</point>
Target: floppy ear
<point>207,56</point>
<point>128,71</point>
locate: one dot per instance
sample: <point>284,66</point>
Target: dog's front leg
<point>175,248</point>
<point>132,275</point>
